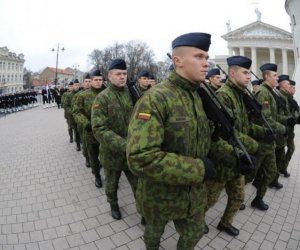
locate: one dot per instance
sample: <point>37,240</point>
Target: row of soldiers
<point>17,101</point>
<point>173,152</point>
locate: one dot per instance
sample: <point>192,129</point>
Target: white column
<point>284,62</point>
<point>242,51</point>
<point>230,51</point>
<point>272,55</point>
<point>253,58</point>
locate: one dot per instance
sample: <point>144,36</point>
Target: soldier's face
<point>241,76</point>
<point>118,77</point>
<point>87,83</point>
<point>76,86</point>
<point>97,82</point>
<point>285,86</point>
<point>216,81</point>
<point>192,64</point>
<point>143,82</point>
<point>292,89</point>
<point>255,88</point>
<point>272,78</point>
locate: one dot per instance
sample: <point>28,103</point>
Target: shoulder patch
<point>144,116</point>
<point>96,106</point>
<point>266,103</point>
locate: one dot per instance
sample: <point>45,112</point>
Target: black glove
<point>88,127</point>
<point>291,122</point>
<point>270,136</point>
<point>245,166</point>
<point>209,168</point>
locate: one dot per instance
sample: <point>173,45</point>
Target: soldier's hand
<point>247,167</point>
<point>88,127</point>
<point>209,168</point>
<point>269,136</point>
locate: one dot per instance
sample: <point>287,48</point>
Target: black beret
<point>196,39</point>
<point>86,76</point>
<point>293,83</point>
<point>117,64</point>
<point>213,72</point>
<point>96,72</point>
<point>268,66</point>
<point>241,61</point>
<point>255,82</point>
<point>152,77</point>
<point>283,78</point>
<point>143,73</point>
<point>71,83</point>
<point>76,81</point>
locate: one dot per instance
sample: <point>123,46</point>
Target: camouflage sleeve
<point>78,112</point>
<point>145,156</point>
<point>256,131</point>
<point>100,125</point>
<point>264,99</point>
<point>63,99</point>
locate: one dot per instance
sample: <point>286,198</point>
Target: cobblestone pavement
<point>48,199</point>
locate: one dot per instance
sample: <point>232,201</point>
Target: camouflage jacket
<point>231,96</point>
<point>82,110</point>
<point>111,111</point>
<point>168,135</point>
<point>269,108</point>
<point>66,103</point>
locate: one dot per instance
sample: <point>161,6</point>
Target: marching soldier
<point>255,86</point>
<point>229,174</point>
<point>214,77</point>
<point>168,143</point>
<point>82,114</point>
<point>111,111</point>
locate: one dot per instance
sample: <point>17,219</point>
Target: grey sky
<point>34,27</point>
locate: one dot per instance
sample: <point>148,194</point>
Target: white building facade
<point>293,9</point>
<point>11,71</point>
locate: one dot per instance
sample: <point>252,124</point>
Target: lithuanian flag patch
<point>144,116</point>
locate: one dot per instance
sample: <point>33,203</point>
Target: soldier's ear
<point>177,61</point>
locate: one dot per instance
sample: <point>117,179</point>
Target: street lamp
<point>57,53</point>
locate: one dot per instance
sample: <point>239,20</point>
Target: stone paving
<point>48,199</point>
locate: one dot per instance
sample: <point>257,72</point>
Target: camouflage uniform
<point>74,125</point>
<point>111,111</point>
<point>281,141</point>
<point>66,104</point>
<point>168,135</point>
<point>294,110</point>
<point>266,159</point>
<point>82,114</point>
<point>228,175</point>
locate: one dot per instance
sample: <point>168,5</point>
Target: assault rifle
<point>224,123</point>
<point>226,75</point>
<point>134,92</point>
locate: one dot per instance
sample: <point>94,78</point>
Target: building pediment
<point>258,30</point>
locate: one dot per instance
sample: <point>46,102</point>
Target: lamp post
<point>57,53</point>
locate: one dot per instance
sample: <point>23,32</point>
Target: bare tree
<point>27,78</point>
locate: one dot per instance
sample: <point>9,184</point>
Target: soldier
<point>111,111</point>
<point>82,114</point>
<point>65,100</point>
<point>255,86</point>
<point>168,143</point>
<point>152,80</point>
<point>86,86</point>
<point>266,160</point>
<point>143,81</point>
<point>229,173</point>
<point>214,77</point>
<point>282,163</point>
<point>294,109</point>
<point>74,95</point>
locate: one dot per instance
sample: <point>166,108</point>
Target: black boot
<point>98,182</point>
<point>286,174</point>
<point>206,229</point>
<point>115,212</point>
<point>243,206</point>
<point>87,164</point>
<point>143,221</point>
<point>259,203</point>
<point>276,185</point>
<point>231,230</point>
<point>78,148</point>
<point>71,139</point>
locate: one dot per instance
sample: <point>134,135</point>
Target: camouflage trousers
<point>190,230</point>
<point>236,194</point>
<point>93,153</point>
<point>280,161</point>
<point>75,128</point>
<point>84,145</point>
<point>112,178</point>
<point>290,148</point>
<point>266,168</point>
<point>70,129</point>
